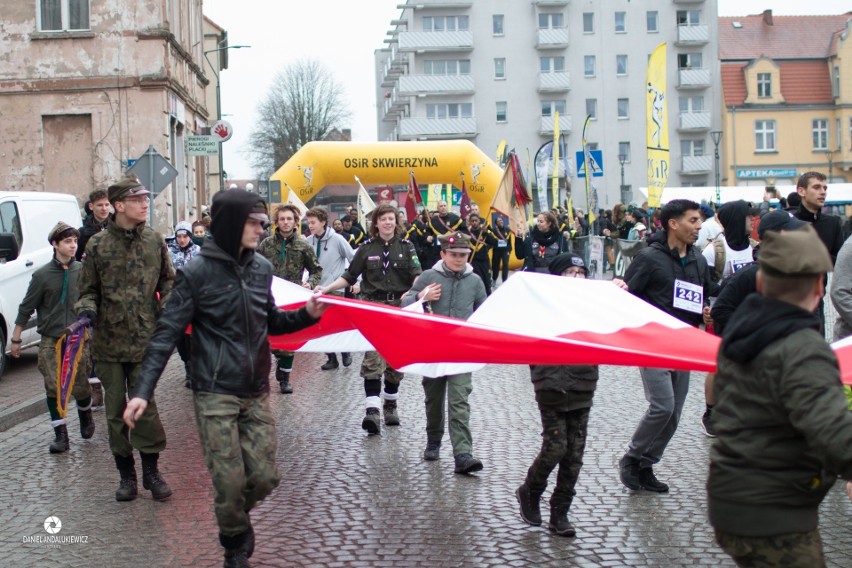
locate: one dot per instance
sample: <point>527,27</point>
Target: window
<point>63,15</point>
<point>623,108</point>
<point>499,67</point>
<point>445,23</point>
<point>449,110</point>
<point>446,67</point>
<point>588,22</point>
<point>552,64</point>
<point>764,85</point>
<point>688,17</point>
<point>621,64</point>
<point>835,82</point>
<point>551,21</point>
<point>838,134</point>
<point>692,147</point>
<point>652,21</point>
<point>690,104</point>
<point>9,221</point>
<point>502,111</point>
<point>620,22</point>
<point>624,150</point>
<point>592,108</point>
<point>497,24</point>
<point>689,61</point>
<point>549,108</point>
<point>589,66</point>
<point>764,135</point>
<point>593,146</point>
<point>819,129</point>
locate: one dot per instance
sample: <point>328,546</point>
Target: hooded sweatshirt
<point>783,430</point>
<point>737,246</point>
<point>461,292</point>
<point>230,210</point>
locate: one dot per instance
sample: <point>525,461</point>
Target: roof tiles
<point>789,37</point>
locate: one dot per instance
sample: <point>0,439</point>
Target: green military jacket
<point>125,280</point>
<point>389,275</point>
<point>291,257</point>
<point>55,312</point>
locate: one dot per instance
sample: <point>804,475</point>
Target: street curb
<point>21,412</point>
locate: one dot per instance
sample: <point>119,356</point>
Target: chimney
<point>767,17</point>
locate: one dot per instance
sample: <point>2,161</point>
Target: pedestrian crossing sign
<point>596,167</point>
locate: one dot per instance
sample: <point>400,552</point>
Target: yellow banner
<point>657,126</point>
<point>556,157</point>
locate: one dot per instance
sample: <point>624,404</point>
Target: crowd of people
<point>757,279</point>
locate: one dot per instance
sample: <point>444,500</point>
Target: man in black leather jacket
<point>225,294</point>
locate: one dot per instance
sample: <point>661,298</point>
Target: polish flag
<point>531,319</point>
<point>843,350</point>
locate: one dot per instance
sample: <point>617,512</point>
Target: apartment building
<point>787,83</point>
<point>86,87</point>
<point>493,69</point>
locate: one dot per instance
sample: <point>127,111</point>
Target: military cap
<point>794,253</point>
<point>566,260</point>
<point>60,228</point>
<point>127,186</point>
<point>455,242</point>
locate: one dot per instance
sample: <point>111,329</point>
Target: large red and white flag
<point>531,319</point>
<point>843,350</point>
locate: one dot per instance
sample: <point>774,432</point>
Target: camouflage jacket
<point>291,262</point>
<point>126,279</point>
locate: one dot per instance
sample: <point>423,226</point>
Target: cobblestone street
<point>350,500</point>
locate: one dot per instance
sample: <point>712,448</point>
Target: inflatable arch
<point>318,164</point>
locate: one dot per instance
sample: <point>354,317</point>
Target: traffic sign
<point>153,171</point>
<point>222,130</point>
<point>204,145</point>
<point>596,166</point>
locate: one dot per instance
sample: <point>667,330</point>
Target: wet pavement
<point>350,500</point>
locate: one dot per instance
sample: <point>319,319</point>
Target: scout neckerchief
<point>319,243</point>
<point>385,256</point>
<point>283,253</point>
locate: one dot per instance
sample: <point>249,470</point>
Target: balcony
<point>436,41</point>
<point>696,165</point>
<point>546,125</point>
<point>693,78</point>
<point>551,3</point>
<point>552,39</point>
<point>436,128</point>
<point>694,121</point>
<point>430,85</point>
<point>688,1</point>
<point>554,82</point>
<point>440,5</point>
<point>394,105</point>
<point>692,35</point>
<point>394,67</point>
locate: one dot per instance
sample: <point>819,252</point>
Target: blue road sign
<point>596,166</point>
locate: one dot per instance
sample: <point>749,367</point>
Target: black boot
<point>371,422</point>
<point>347,359</point>
<point>559,522</point>
<point>127,487</point>
<point>151,479</point>
<point>60,444</point>
<point>331,364</point>
<point>283,380</point>
<point>87,423</point>
<point>237,549</point>
<point>391,416</point>
<point>529,502</point>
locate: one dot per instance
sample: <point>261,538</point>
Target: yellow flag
<point>501,152</point>
<point>657,126</point>
<point>556,157</point>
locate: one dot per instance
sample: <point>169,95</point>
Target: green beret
<point>794,253</point>
<point>127,186</point>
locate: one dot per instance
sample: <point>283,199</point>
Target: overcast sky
<point>342,34</point>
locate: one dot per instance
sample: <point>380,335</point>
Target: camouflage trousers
<point>239,442</point>
<point>795,550</point>
<point>47,367</point>
<point>455,389</point>
<point>119,380</point>
<point>563,443</point>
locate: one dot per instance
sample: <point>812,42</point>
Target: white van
<point>26,218</point>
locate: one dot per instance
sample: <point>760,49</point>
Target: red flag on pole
<point>412,198</point>
<point>465,207</point>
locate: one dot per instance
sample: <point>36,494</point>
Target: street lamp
<point>215,71</point>
<point>716,135</point>
<point>830,154</point>
<point>626,196</point>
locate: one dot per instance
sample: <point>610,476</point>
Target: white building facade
<point>494,70</point>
